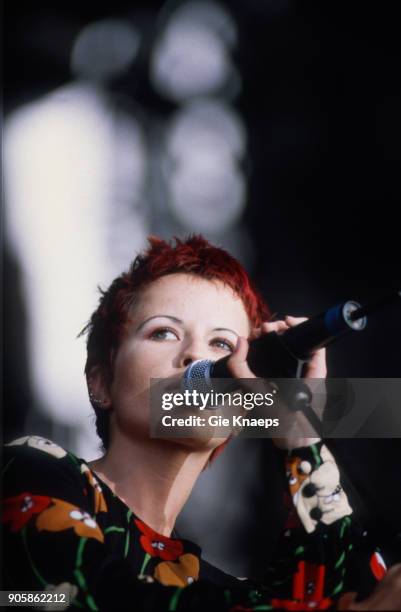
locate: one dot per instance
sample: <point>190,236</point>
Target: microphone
<point>283,356</point>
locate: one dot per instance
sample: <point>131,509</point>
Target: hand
<point>314,369</point>
<point>386,596</point>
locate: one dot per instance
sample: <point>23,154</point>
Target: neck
<point>152,477</point>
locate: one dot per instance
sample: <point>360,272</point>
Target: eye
<point>163,333</point>
<point>223,344</point>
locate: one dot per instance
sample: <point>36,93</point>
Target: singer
<point>103,531</point>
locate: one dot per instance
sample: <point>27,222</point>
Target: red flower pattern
<point>158,545</point>
<point>307,589</point>
<point>378,566</point>
<point>19,510</point>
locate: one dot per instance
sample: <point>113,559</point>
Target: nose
<point>190,353</point>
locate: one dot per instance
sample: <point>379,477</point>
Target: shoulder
<point>43,480</point>
<point>30,444</point>
<point>39,451</point>
<point>37,464</point>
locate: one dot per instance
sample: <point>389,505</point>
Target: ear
<point>98,388</point>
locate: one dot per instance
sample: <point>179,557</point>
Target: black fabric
<point>65,529</point>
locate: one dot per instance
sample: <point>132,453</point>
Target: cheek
<point>136,365</point>
<point>130,394</point>
<point>129,378</point>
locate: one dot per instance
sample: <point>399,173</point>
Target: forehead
<point>193,298</point>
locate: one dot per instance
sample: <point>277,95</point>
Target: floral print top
<point>65,531</point>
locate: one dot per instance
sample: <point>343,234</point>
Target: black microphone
<point>275,356</point>
<point>283,355</point>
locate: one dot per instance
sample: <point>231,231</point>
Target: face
<point>177,319</point>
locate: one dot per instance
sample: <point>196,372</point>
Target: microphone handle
<point>283,356</point>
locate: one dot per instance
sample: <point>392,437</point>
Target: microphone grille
<point>197,375</point>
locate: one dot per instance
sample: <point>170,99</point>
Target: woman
<point>103,531</point>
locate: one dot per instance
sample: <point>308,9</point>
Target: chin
<point>197,443</point>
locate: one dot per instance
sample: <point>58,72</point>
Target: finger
<point>255,333</point>
<point>237,363</point>
<point>316,367</point>
<point>267,327</point>
<point>276,326</point>
<point>292,321</point>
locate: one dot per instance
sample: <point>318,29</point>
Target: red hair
<point>194,255</point>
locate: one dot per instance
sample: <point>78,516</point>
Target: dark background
<point>321,103</point>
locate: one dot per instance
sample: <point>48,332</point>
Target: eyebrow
<point>226,329</point>
<point>159,316</point>
<point>180,322</point>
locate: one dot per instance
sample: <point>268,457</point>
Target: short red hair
<point>193,255</point>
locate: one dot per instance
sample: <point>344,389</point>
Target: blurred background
<point>273,128</point>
